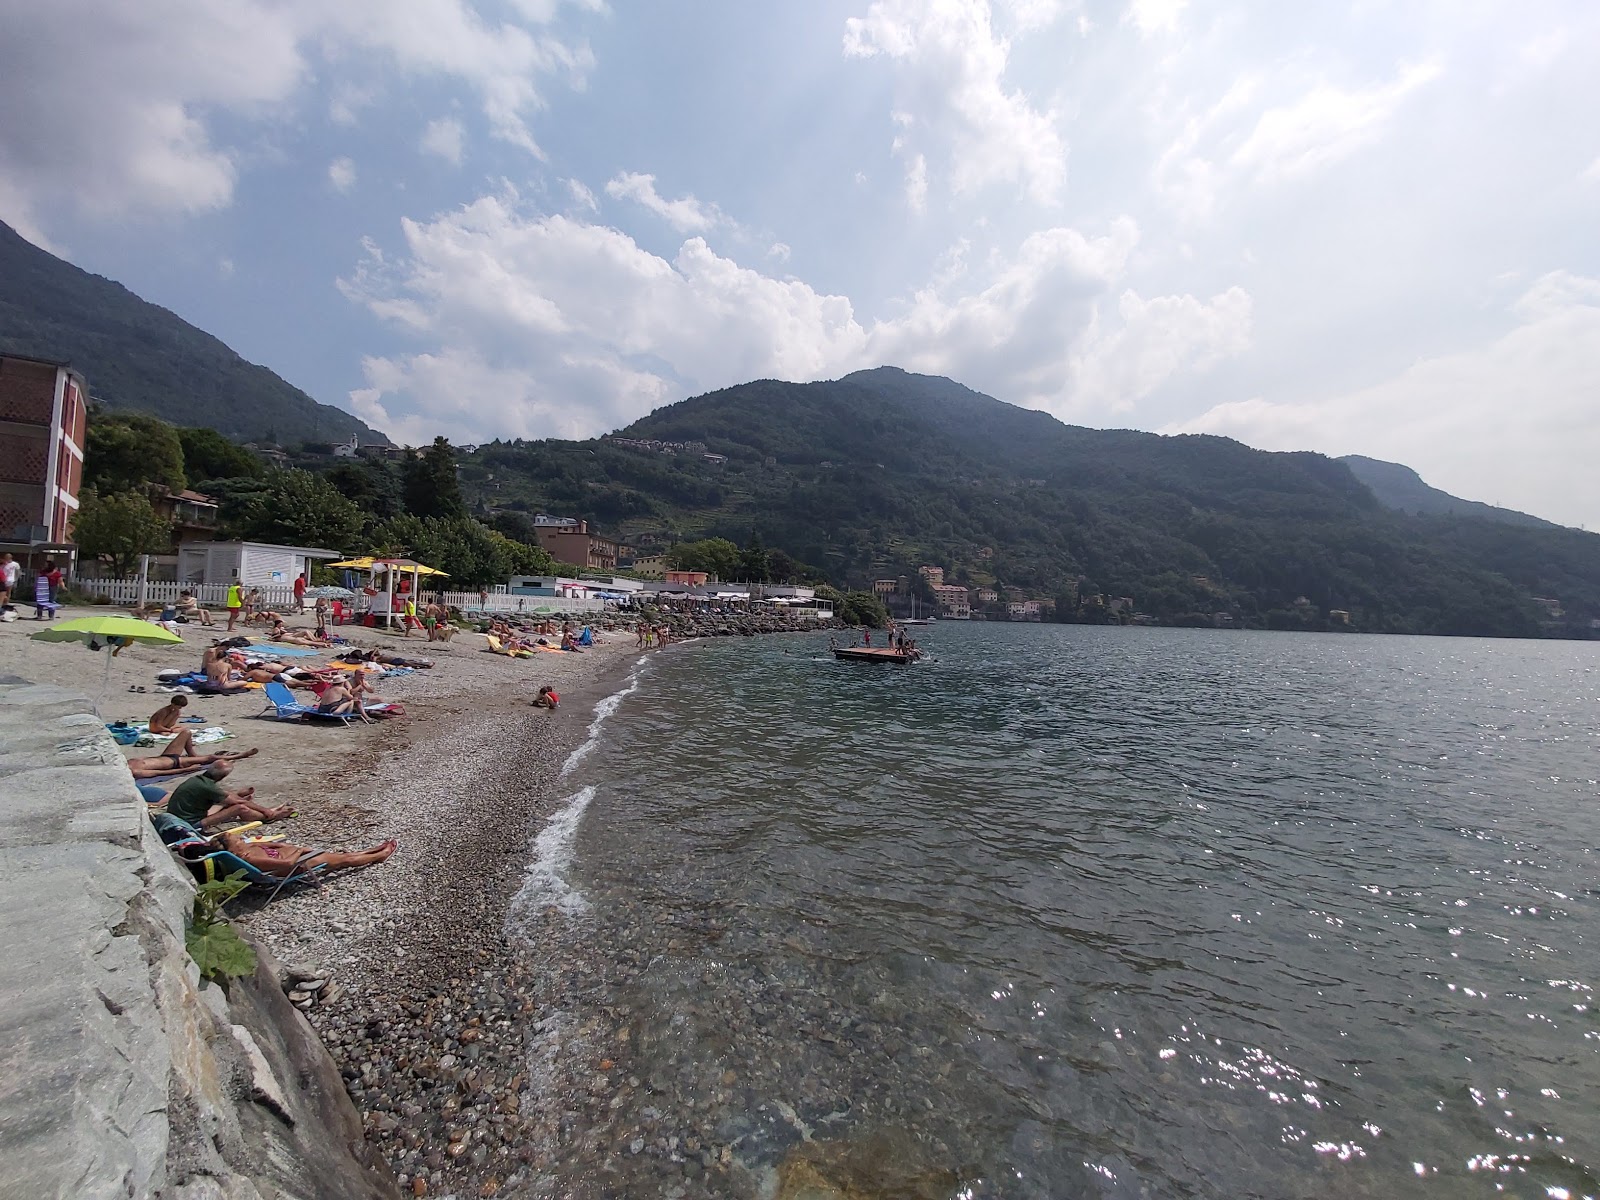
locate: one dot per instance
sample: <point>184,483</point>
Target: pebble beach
<point>437,1002</point>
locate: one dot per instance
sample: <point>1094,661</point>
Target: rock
<point>419,1186</point>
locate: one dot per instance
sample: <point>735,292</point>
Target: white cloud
<point>779,251</point>
<point>686,214</point>
<point>1152,17</point>
<point>951,76</point>
<point>917,184</point>
<point>445,138</point>
<point>582,196</point>
<point>1324,125</point>
<point>1512,422</point>
<point>134,132</point>
<point>1591,173</point>
<point>582,329</point>
<point>342,174</point>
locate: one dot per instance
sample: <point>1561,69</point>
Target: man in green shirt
<point>235,602</point>
<point>203,801</point>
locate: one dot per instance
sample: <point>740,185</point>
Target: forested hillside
<point>880,471</point>
<point>1400,488</point>
<point>139,356</point>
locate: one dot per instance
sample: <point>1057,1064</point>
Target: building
<point>886,587</point>
<point>568,540</point>
<point>688,578</point>
<point>934,576</point>
<point>715,459</point>
<point>988,596</point>
<point>44,412</point>
<point>952,601</point>
<point>256,564</point>
<point>648,566</point>
<point>350,449</point>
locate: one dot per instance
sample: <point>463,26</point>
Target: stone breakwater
<point>125,1074</point>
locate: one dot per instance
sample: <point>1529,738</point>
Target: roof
<point>305,551</point>
<point>44,362</point>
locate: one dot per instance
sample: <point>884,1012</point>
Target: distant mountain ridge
<point>873,474</point>
<point>1402,489</point>
<point>140,356</point>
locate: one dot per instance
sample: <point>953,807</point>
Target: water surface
<point>1069,911</point>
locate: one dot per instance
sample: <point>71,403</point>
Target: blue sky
<point>1360,227</point>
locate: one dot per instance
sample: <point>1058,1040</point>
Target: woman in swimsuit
<point>285,858</point>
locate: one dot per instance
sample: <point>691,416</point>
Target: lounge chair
<point>287,708</point>
<point>209,863</point>
<point>496,648</point>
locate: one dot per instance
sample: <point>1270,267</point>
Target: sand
<point>415,946</point>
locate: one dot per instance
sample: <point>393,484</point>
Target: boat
<point>883,654</point>
<point>916,621</point>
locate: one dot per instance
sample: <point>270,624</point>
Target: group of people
<point>520,641</point>
<point>652,635</point>
<point>46,587</point>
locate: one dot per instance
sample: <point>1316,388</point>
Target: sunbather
<point>189,609</point>
<point>285,858</point>
<point>338,699</point>
<point>203,801</point>
<point>219,672</point>
<point>293,637</point>
<point>176,762</point>
<point>369,702</point>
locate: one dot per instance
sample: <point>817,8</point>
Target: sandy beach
<point>433,1014</point>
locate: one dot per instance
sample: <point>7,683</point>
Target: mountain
<point>1400,488</point>
<point>874,474</point>
<point>140,356</point>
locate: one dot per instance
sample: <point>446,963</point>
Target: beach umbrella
<point>112,630</point>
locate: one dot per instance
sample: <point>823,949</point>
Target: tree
<point>715,556</point>
<point>867,609</point>
<point>124,451</point>
<point>295,508</point>
<point>472,554</point>
<point>208,455</point>
<point>432,488</point>
<point>754,562</point>
<point>373,486</point>
<point>121,527</point>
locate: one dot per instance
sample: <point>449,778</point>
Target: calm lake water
<point>1069,911</point>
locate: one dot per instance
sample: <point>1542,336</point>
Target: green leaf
<point>219,951</point>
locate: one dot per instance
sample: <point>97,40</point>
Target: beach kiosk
<point>384,576</point>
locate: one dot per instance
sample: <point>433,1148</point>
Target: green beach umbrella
<point>95,629</point>
<point>114,630</point>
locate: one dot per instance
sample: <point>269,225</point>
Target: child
<point>547,698</point>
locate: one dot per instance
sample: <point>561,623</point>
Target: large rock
<point>121,1073</point>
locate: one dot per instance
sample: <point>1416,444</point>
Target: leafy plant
<point>213,943</point>
<point>121,527</point>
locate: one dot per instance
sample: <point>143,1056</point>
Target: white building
<point>257,564</point>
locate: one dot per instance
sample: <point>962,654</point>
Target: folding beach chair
<point>287,708</point>
<point>209,863</point>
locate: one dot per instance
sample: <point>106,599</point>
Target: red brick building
<point>43,415</point>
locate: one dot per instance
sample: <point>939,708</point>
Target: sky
<point>1351,227</point>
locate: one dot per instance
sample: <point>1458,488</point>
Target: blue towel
<point>277,651</point>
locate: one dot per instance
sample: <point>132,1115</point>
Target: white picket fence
<point>165,591</point>
<point>501,601</point>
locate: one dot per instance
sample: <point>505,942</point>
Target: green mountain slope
<point>140,356</point>
<point>1402,489</point>
<point>876,473</point>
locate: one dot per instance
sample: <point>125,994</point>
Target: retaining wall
<point>122,1074</point>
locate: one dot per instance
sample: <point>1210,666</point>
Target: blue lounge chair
<point>287,708</point>
<point>209,863</point>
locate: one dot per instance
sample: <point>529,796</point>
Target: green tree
<point>868,609</point>
<point>432,488</point>
<point>120,527</point>
<point>714,556</point>
<point>472,554</point>
<point>124,451</point>
<point>755,564</point>
<point>373,486</point>
<point>295,508</point>
<point>208,455</point>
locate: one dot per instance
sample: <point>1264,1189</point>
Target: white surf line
<point>544,883</point>
<point>601,711</point>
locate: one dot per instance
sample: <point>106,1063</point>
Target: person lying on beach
<point>285,858</point>
<point>176,761</point>
<point>388,658</point>
<point>547,698</point>
<point>293,637</point>
<point>203,801</point>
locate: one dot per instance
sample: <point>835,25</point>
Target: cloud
<point>342,174</point>
<point>582,196</point>
<point>1153,17</point>
<point>686,215</point>
<point>444,137</point>
<point>136,130</point>
<point>581,329</point>
<point>1324,125</point>
<point>779,251</point>
<point>1591,173</point>
<point>1512,422</point>
<point>951,69</point>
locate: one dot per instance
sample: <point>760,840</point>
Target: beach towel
<point>289,651</point>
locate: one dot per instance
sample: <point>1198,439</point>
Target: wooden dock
<point>883,654</point>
